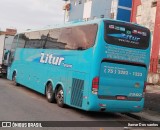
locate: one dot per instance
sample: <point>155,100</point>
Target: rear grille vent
<point>77,92</point>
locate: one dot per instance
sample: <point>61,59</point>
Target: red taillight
<point>95,85</point>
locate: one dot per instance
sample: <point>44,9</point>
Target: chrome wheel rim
<point>14,79</point>
<point>60,96</point>
<point>49,92</point>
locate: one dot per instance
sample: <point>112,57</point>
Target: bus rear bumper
<point>117,106</point>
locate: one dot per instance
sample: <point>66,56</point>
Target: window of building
<point>102,16</point>
<point>112,15</point>
<point>154,3</point>
<point>87,1</point>
<point>80,1</point>
<point>75,2</point>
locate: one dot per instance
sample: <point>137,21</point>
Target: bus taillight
<point>95,85</point>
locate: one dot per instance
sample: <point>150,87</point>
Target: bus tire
<point>50,93</point>
<point>14,79</point>
<point>60,97</point>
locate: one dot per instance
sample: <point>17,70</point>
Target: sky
<point>30,14</point>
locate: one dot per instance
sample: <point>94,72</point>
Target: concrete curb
<point>136,116</point>
<point>145,116</point>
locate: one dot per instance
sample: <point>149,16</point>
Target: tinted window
<point>32,39</point>
<point>125,34</point>
<point>52,40</point>
<point>21,41</point>
<point>35,39</point>
<point>14,43</point>
<point>12,51</point>
<point>72,38</point>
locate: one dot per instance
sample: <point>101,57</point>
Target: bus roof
<point>67,24</point>
<point>75,23</point>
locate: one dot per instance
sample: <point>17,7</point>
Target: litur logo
<point>51,59</point>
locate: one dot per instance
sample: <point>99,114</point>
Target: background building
<point>144,12</point>
<point>147,13</point>
<point>91,9</point>
<point>8,32</point>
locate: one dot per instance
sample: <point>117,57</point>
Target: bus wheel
<point>14,79</point>
<point>49,93</point>
<point>60,97</point>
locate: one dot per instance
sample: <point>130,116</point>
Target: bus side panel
<point>73,73</point>
<point>77,90</point>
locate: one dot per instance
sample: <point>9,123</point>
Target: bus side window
<point>78,37</point>
<point>66,38</point>
<point>14,43</point>
<point>12,51</point>
<point>33,40</point>
<point>21,41</point>
<point>82,37</point>
<point>36,39</point>
<point>52,41</point>
<point>72,38</point>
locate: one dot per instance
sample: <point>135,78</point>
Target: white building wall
<point>146,14</point>
<point>76,12</point>
<point>80,9</point>
<point>87,10</point>
<point>101,8</point>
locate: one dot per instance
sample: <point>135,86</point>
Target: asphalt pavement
<point>151,110</point>
<point>22,104</point>
<point>152,102</point>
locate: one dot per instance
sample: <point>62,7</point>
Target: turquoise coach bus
<point>98,65</point>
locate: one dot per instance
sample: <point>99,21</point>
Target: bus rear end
<point>119,84</point>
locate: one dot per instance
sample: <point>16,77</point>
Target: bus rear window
<point>127,35</point>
